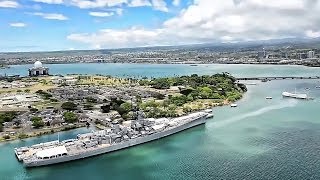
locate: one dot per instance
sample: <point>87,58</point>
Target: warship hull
<point>117,146</point>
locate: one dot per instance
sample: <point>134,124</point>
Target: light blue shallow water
<point>261,139</point>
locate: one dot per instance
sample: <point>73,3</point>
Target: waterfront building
<point>38,69</point>
<point>311,54</point>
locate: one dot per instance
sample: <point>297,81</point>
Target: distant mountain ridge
<point>214,47</point>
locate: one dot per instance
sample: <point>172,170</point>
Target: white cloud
<point>49,1</point>
<point>87,4</point>
<point>51,16</point>
<point>8,4</point>
<point>119,11</point>
<point>138,3</point>
<point>176,2</point>
<point>160,5</point>
<point>119,38</point>
<point>101,14</point>
<point>219,20</point>
<point>312,34</point>
<point>18,24</point>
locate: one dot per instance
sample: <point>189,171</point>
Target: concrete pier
<point>278,78</point>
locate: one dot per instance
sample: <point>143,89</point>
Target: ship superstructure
<point>115,138</point>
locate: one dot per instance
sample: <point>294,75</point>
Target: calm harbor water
<point>261,139</point>
<point>159,70</point>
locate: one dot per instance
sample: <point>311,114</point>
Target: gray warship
<point>99,142</point>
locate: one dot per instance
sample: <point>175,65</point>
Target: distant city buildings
<point>268,54</point>
<point>311,54</point>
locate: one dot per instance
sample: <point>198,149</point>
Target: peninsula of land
<point>33,106</point>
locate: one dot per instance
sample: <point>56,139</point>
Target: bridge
<point>278,78</point>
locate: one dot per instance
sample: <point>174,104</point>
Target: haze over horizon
<point>49,25</point>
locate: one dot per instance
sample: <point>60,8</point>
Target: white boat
<point>268,97</point>
<point>295,95</point>
<point>250,83</point>
<point>234,105</point>
<point>317,87</point>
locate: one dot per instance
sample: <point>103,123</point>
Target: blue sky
<point>25,27</point>
<point>44,25</point>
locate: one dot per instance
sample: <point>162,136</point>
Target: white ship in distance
<point>295,95</point>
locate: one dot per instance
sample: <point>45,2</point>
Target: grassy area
<point>45,104</point>
<point>31,89</point>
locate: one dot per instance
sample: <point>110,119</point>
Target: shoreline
<point>42,132</point>
<point>180,103</point>
<point>74,127</point>
<point>7,66</point>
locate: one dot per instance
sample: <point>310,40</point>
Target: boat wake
<point>283,104</point>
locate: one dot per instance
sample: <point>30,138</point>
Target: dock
<point>269,78</point>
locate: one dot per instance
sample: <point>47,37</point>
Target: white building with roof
<point>20,100</point>
<point>38,69</point>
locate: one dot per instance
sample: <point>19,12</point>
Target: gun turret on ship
<point>115,138</point>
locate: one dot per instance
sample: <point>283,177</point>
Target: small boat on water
<point>317,87</point>
<point>234,105</point>
<point>193,65</point>
<point>250,83</point>
<point>208,111</point>
<point>268,97</point>
<point>295,95</point>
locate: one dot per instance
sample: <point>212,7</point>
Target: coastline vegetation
<point>194,93</point>
<point>7,117</point>
<point>170,97</point>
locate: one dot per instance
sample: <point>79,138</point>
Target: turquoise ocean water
<point>261,139</point>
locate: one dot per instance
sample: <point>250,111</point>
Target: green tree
<point>126,106</point>
<point>37,122</point>
<point>187,109</point>
<point>6,137</point>
<point>70,106</point>
<point>205,92</point>
<point>22,136</point>
<point>144,82</point>
<point>186,91</point>
<point>105,108</point>
<point>161,83</point>
<point>179,100</point>
<point>121,110</point>
<point>91,100</point>
<point>70,117</point>
<point>7,116</point>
